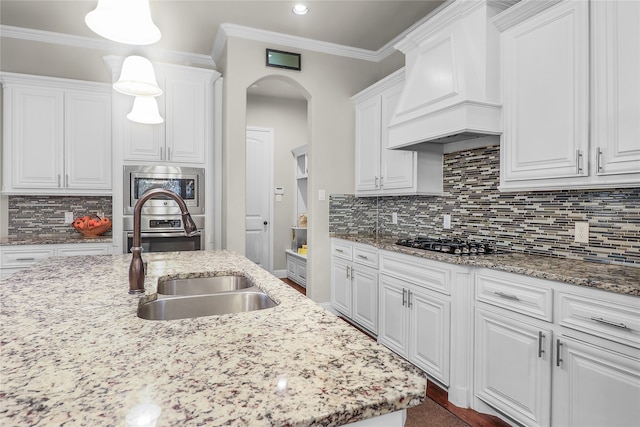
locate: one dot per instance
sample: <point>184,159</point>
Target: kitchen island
<point>75,353</point>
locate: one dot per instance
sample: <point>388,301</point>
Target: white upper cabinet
<point>186,105</point>
<point>57,136</point>
<point>379,170</point>
<point>615,29</point>
<point>562,71</point>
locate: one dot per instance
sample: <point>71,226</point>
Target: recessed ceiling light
<point>300,9</point>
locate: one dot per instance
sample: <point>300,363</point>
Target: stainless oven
<point>164,234</point>
<point>161,221</point>
<point>188,183</point>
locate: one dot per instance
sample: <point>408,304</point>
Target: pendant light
<point>145,110</point>
<point>124,21</point>
<point>137,78</point>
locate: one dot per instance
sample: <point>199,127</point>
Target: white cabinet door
<point>616,91</point>
<point>430,333</point>
<point>186,108</point>
<point>512,367</point>
<point>140,142</point>
<point>341,286</point>
<point>302,271</point>
<point>545,94</point>
<point>87,140</point>
<point>367,145</point>
<point>396,166</point>
<point>365,297</point>
<point>393,324</point>
<point>595,387</point>
<point>35,117</point>
<point>185,120</point>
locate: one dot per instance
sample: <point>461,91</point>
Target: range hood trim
<point>471,117</point>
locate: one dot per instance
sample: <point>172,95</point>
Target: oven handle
<point>160,234</point>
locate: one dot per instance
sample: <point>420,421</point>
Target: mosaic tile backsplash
<point>531,222</point>
<point>44,215</point>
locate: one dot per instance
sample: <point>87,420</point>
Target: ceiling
<point>191,26</point>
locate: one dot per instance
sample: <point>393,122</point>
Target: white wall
<point>288,118</point>
<point>329,82</point>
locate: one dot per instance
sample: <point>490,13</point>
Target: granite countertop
<point>75,353</point>
<point>609,277</point>
<point>52,239</point>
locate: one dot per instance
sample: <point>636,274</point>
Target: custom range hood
<point>452,88</point>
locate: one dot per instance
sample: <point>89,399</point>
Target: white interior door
<point>259,182</point>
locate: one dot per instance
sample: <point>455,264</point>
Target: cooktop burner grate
<point>450,246</point>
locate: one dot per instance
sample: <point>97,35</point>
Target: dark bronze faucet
<point>136,269</point>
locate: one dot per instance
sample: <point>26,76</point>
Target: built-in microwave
<point>186,182</point>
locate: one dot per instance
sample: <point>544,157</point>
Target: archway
<point>280,104</point>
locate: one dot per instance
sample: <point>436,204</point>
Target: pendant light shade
<point>137,78</point>
<point>145,110</point>
<point>124,21</point>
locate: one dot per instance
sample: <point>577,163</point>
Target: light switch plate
<point>394,217</point>
<point>68,217</point>
<point>446,221</point>
<point>321,195</point>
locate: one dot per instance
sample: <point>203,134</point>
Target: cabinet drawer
<point>342,249</point>
<point>617,320</point>
<point>517,293</point>
<point>365,255</point>
<point>81,249</point>
<point>416,270</point>
<point>22,257</point>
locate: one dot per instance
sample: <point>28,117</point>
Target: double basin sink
<point>202,296</point>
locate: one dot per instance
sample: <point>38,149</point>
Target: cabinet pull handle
<point>381,181</point>
<point>348,272</point>
<point>168,153</point>
<point>558,353</point>
<point>26,259</point>
<point>340,250</point>
<point>161,154</point>
<point>66,180</point>
<point>610,323</point>
<point>578,162</point>
<point>376,182</point>
<point>540,349</point>
<point>599,159</point>
<point>363,256</point>
<point>404,297</point>
<point>409,304</point>
<point>58,180</point>
<point>507,296</point>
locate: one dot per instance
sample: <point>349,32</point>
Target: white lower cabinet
<point>16,258</point>
<point>513,369</point>
<point>594,386</point>
<point>354,283</point>
<point>415,323</point>
<point>577,367</point>
<point>415,312</point>
<point>297,267</point>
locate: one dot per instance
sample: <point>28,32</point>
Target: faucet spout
<point>136,268</point>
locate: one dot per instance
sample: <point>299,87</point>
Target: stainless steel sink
<point>156,307</point>
<point>203,285</point>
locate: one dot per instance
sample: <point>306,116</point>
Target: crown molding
<point>232,30</point>
<point>105,45</point>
